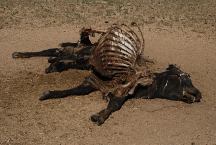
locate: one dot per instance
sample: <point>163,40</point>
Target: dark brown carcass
<point>119,72</point>
<point>172,84</point>
<point>69,56</point>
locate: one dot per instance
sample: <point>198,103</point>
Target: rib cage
<point>117,51</point>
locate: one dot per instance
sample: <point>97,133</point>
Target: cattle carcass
<point>119,72</point>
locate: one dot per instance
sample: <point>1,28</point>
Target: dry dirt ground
<point>180,32</point>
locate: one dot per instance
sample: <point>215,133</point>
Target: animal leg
<point>68,44</point>
<point>52,52</point>
<point>61,65</point>
<point>56,67</point>
<point>82,89</point>
<point>53,59</point>
<point>115,104</point>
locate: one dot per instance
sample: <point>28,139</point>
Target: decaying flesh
<point>116,61</point>
<point>119,71</point>
<point>68,56</point>
<point>172,84</point>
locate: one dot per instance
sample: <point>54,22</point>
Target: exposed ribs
<point>117,52</point>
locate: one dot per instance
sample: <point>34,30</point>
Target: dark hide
<point>172,84</point>
<point>115,103</point>
<point>69,56</point>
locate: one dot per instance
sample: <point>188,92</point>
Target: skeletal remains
<point>118,70</point>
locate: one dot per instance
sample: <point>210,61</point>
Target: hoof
<point>96,118</point>
<point>19,55</point>
<point>46,95</point>
<point>15,55</point>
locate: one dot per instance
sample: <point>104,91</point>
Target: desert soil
<point>179,32</point>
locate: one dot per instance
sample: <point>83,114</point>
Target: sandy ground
<point>175,32</point>
<point>26,120</point>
